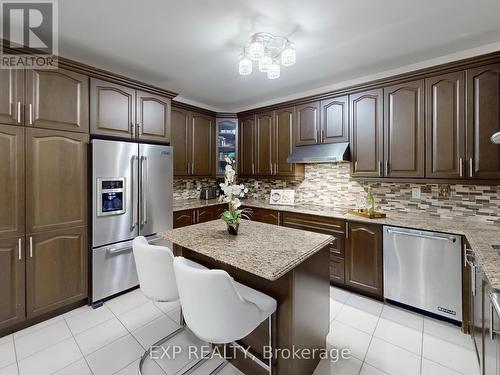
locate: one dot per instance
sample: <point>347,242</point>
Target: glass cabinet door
<point>226,142</point>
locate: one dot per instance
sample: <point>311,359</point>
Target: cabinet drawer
<point>336,269</point>
<point>319,224</point>
<point>264,215</point>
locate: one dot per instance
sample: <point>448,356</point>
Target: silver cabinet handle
<point>253,168</point>
<point>132,130</point>
<point>471,167</point>
<point>347,229</point>
<point>473,278</point>
<point>380,167</point>
<point>135,191</point>
<point>139,129</point>
<point>461,167</point>
<point>192,167</point>
<point>272,169</point>
<point>318,136</point>
<point>426,236</point>
<point>387,167</point>
<point>194,216</point>
<point>19,250</point>
<point>144,195</point>
<point>322,135</point>
<point>31,114</point>
<point>31,247</point>
<point>18,112</point>
<point>355,166</point>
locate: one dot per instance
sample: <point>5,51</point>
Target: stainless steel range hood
<point>325,153</point>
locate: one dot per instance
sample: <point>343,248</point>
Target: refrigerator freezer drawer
<point>113,270</point>
<point>423,269</point>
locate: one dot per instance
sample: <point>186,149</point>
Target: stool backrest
<point>155,270</point>
<point>212,307</point>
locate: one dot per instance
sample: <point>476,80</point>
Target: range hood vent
<point>325,153</point>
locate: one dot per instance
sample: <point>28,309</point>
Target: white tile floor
<point>109,340</point>
<point>386,340</point>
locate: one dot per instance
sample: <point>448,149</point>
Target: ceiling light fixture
<point>271,52</point>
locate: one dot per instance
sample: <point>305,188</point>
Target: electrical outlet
<point>415,193</point>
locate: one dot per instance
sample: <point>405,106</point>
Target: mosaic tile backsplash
<point>330,185</point>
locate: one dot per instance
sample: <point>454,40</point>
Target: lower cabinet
<point>12,281</point>
<point>56,269</point>
<point>363,259</point>
<point>337,270</point>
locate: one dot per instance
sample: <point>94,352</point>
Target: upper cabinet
<point>153,117</point>
<point>57,99</point>
<point>367,133</point>
<point>226,142</point>
<point>335,120</point>
<point>193,140</point>
<point>307,124</point>
<point>121,111</point>
<point>246,146</point>
<point>483,120</point>
<point>445,125</point>
<point>404,130</point>
<point>264,133</point>
<point>11,96</point>
<point>283,142</point>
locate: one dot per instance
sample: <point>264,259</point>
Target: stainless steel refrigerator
<point>132,196</point>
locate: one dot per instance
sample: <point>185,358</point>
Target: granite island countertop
<point>265,250</point>
<point>481,236</point>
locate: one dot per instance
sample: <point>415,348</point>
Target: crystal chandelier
<point>270,52</point>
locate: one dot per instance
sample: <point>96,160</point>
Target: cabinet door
<point>246,151</point>
<point>483,120</point>
<point>153,117</point>
<point>367,139</point>
<point>12,285</point>
<point>337,274</point>
<point>335,120</point>
<point>202,145</point>
<point>307,124</point>
<point>265,216</point>
<point>183,218</point>
<point>180,141</point>
<point>363,259</point>
<point>112,109</point>
<point>56,180</point>
<point>445,125</point>
<point>56,269</point>
<point>283,142</point>
<point>264,146</point>
<point>57,99</point>
<point>11,181</point>
<point>205,214</point>
<point>11,96</point>
<point>404,130</point>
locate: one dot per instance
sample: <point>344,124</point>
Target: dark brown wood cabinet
<point>265,215</point>
<point>246,151</point>
<point>112,109</point>
<point>180,141</point>
<point>264,146</point>
<point>56,269</point>
<point>183,218</point>
<point>56,180</point>
<point>367,133</point>
<point>404,148</point>
<point>198,215</point>
<point>57,99</point>
<point>11,96</point>
<point>307,124</point>
<point>153,117</point>
<point>445,125</point>
<point>337,270</point>
<point>12,212</point>
<point>202,147</point>
<point>283,142</point>
<point>335,120</point>
<point>363,258</point>
<point>12,287</point>
<point>193,140</point>
<point>483,120</point>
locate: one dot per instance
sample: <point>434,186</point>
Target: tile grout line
<point>15,354</point>
<point>80,349</point>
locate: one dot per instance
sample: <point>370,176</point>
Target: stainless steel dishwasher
<point>423,270</point>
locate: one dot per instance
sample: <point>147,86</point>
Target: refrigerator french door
<point>132,196</point>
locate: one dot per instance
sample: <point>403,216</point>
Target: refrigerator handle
<point>144,184</point>
<point>135,192</point>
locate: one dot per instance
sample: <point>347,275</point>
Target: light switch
<point>415,193</point>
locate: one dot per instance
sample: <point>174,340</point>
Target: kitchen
<point>370,210</point>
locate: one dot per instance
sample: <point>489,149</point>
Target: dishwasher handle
<point>420,235</point>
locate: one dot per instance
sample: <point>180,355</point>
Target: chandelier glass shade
<point>270,52</point>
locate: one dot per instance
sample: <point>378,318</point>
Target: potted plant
<point>231,194</point>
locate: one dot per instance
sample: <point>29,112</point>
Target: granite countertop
<point>481,236</point>
<point>265,250</point>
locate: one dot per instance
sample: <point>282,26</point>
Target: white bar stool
<point>156,278</point>
<point>218,309</point>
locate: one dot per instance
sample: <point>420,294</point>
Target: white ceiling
<point>192,47</point>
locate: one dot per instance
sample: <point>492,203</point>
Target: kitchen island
<point>289,265</point>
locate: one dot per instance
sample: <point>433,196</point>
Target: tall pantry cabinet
<point>43,178</point>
